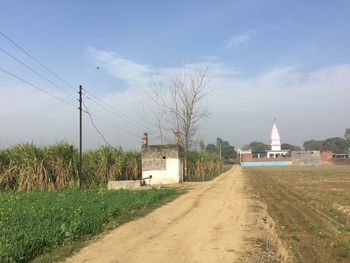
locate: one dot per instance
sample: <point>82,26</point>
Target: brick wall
<point>326,156</point>
<point>154,156</point>
<point>306,157</point>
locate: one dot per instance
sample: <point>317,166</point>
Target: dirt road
<point>207,224</point>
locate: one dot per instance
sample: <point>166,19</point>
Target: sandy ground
<point>210,223</point>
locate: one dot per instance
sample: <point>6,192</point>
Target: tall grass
<point>203,166</point>
<point>27,167</point>
<point>109,163</point>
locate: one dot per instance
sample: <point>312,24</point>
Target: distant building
<point>163,162</point>
<point>306,157</point>
<point>275,143</point>
<point>273,157</point>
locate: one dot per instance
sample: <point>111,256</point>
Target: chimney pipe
<point>177,138</point>
<point>144,140</point>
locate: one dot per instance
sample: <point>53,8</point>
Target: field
<point>311,207</point>
<point>28,167</point>
<point>33,222</point>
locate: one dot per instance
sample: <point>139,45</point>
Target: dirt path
<point>204,225</point>
<point>218,221</point>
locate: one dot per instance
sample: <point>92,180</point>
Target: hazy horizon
<point>266,60</point>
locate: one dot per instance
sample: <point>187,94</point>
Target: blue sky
<point>266,57</point>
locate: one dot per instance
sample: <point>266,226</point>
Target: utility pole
<point>80,135</point>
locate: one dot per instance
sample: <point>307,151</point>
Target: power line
<point>36,87</point>
<point>114,111</point>
<point>102,103</point>
<point>111,109</point>
<point>117,114</point>
<point>35,72</point>
<point>37,61</point>
<point>93,124</point>
<point>113,125</point>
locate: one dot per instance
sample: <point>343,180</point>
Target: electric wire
<point>113,125</point>
<point>35,72</point>
<point>111,109</point>
<point>114,111</point>
<point>116,127</point>
<point>94,125</point>
<point>37,61</point>
<point>36,87</point>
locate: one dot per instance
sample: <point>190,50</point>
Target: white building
<point>275,143</point>
<point>164,163</point>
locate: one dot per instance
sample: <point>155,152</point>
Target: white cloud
<point>301,101</point>
<point>307,105</point>
<point>132,73</point>
<point>240,39</point>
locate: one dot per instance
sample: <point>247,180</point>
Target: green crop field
<point>33,222</point>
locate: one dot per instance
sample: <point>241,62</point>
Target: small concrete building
<point>306,157</point>
<point>163,162</point>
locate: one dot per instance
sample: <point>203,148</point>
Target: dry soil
<point>214,221</point>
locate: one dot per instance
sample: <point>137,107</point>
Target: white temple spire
<point>275,140</point>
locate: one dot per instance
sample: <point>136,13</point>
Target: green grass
<point>32,223</point>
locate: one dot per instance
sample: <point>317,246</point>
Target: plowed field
<point>311,208</point>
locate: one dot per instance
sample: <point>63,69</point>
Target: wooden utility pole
<point>80,135</point>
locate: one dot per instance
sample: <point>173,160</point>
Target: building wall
<point>298,158</point>
<point>326,156</point>
<point>269,163</point>
<point>306,157</point>
<point>163,162</point>
<point>250,158</point>
<point>171,175</point>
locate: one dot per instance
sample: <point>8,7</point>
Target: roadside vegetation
<point>42,210</point>
<point>203,166</point>
<point>311,208</point>
<point>27,167</point>
<point>34,222</point>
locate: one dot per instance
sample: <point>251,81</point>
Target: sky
<point>266,59</point>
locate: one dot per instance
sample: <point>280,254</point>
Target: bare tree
<point>157,105</point>
<point>157,112</point>
<point>179,107</point>
<point>187,90</point>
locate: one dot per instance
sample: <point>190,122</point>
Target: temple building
<point>275,143</point>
